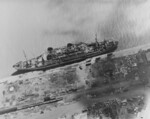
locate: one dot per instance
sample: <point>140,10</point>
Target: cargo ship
<point>71,53</point>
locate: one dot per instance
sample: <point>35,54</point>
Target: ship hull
<point>65,62</point>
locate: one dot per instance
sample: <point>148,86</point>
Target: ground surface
<point>69,90</point>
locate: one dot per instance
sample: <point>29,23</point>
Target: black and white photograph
<point>74,59</point>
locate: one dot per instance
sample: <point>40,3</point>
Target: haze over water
<point>34,25</point>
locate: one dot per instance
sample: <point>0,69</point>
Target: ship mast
<point>96,40</point>
<point>96,37</point>
<point>25,55</point>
